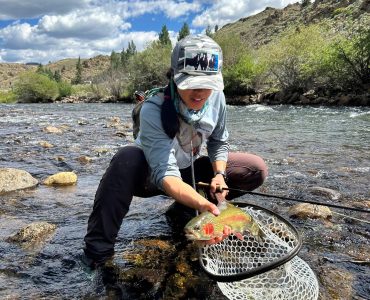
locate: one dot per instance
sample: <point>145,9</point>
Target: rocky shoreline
<point>308,98</point>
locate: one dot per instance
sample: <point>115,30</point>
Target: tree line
<point>302,58</point>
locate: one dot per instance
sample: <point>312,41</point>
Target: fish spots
<point>208,229</point>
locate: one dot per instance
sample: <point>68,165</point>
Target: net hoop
<point>234,259</point>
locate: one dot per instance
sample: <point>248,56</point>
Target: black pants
<point>128,175</point>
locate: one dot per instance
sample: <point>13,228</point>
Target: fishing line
<point>192,166</point>
<point>219,189</point>
<point>349,217</point>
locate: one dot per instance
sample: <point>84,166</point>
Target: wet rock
<point>15,179</point>
<point>114,122</point>
<point>321,191</point>
<point>121,133</point>
<point>150,261</point>
<point>62,178</point>
<point>84,159</point>
<point>307,210</point>
<point>52,129</point>
<point>45,144</point>
<point>337,283</point>
<point>33,232</point>
<point>82,122</point>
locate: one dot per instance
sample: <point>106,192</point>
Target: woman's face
<point>194,99</point>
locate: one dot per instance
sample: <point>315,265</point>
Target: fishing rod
<point>220,189</point>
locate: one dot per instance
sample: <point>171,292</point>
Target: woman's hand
<point>217,186</point>
<point>227,231</point>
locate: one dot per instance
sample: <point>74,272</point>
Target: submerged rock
<point>307,210</point>
<point>32,233</point>
<point>45,144</point>
<point>62,178</point>
<point>84,159</point>
<point>321,191</point>
<point>52,129</point>
<point>337,282</point>
<point>15,179</point>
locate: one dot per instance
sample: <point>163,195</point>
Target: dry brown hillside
<point>9,72</point>
<point>90,68</point>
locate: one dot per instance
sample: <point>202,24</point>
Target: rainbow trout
<point>207,226</point>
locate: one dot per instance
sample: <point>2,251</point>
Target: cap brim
<point>189,82</point>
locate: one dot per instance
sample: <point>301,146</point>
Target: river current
<point>304,147</point>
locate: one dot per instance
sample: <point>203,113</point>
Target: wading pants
<point>128,175</point>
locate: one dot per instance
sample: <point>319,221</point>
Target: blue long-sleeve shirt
<point>167,156</point>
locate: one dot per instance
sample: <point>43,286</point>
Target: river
<point>304,147</point>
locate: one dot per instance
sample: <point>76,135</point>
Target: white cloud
<point>28,9</point>
<point>227,11</point>
<point>86,28</point>
<point>94,24</point>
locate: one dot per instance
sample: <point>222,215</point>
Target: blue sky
<point>50,30</point>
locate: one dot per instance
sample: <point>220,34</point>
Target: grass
<point>7,97</point>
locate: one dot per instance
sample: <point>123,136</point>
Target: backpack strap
<point>169,117</point>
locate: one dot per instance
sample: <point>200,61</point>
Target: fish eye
<point>197,227</point>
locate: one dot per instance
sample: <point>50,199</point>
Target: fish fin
<point>239,235</point>
<point>222,205</point>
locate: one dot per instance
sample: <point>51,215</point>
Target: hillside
<point>256,30</point>
<point>263,27</point>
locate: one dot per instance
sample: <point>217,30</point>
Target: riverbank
<point>276,98</point>
<point>309,98</point>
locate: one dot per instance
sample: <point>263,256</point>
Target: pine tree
<point>305,3</point>
<point>209,31</point>
<point>78,76</point>
<point>164,37</point>
<point>216,28</point>
<point>131,49</point>
<point>57,76</point>
<point>115,60</point>
<point>184,31</point>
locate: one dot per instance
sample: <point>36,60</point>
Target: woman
<point>175,127</point>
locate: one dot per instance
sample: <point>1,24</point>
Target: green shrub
<point>148,68</point>
<point>346,11</point>
<point>33,87</point>
<point>347,61</point>
<point>241,69</point>
<point>81,90</point>
<point>295,60</point>
<point>7,97</point>
<point>65,89</point>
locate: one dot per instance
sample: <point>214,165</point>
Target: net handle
<point>265,267</point>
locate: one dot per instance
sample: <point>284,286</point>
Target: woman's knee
<point>247,171</point>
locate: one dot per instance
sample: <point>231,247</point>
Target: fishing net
<point>252,267</point>
<point>293,280</point>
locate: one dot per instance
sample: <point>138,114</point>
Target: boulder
<point>33,232</point>
<point>307,210</point>
<point>62,178</point>
<point>15,179</point>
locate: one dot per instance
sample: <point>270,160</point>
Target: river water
<point>304,147</point>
